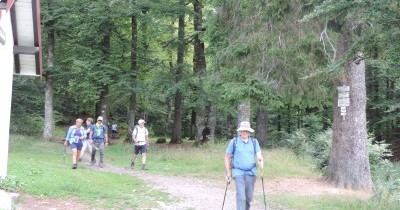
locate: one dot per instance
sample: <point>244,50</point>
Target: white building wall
<point>6,76</point>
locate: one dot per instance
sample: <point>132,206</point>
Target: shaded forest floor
<point>200,193</point>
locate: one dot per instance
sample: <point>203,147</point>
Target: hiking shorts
<point>77,146</point>
<point>140,149</point>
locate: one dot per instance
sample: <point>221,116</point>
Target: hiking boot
<point>132,165</point>
<point>74,166</point>
<point>144,167</point>
<point>93,162</point>
<point>101,165</point>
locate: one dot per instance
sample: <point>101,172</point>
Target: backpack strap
<point>253,141</point>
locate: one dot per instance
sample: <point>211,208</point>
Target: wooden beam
<point>25,50</point>
<point>38,34</point>
<point>35,23</point>
<point>17,64</point>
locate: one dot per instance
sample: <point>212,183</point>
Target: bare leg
<point>74,157</point>
<point>78,154</point>
<point>143,158</point>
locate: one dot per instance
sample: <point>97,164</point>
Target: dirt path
<point>199,194</point>
<point>191,193</point>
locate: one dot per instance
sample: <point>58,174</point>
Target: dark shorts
<point>77,146</point>
<point>140,149</point>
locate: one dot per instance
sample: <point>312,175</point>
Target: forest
<point>194,69</point>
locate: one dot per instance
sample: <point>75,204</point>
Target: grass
<point>207,161</point>
<point>333,203</point>
<point>40,167</point>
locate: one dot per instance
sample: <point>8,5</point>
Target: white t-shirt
<point>139,135</point>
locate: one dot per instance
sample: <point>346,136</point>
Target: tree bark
<point>193,129</point>
<point>230,130</point>
<point>134,71</point>
<point>178,102</point>
<point>104,90</point>
<point>48,131</point>
<point>261,126</point>
<point>212,121</point>
<point>203,112</point>
<point>244,113</point>
<point>349,160</point>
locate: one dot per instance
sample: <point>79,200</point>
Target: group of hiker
<point>95,137</point>
<point>241,156</point>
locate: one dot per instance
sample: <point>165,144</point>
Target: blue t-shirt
<point>244,159</point>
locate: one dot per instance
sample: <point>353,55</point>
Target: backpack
<point>253,141</point>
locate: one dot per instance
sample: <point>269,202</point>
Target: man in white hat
<point>140,136</point>
<point>99,137</point>
<point>243,151</point>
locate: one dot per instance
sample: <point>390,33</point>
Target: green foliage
<point>385,173</point>
<point>27,106</point>
<point>315,145</point>
<point>202,162</point>
<point>10,184</point>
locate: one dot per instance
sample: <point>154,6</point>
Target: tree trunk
<point>244,111</point>
<point>261,126</point>
<point>134,71</point>
<point>212,121</point>
<point>203,129</point>
<point>104,90</point>
<point>48,131</point>
<point>193,130</point>
<point>178,103</point>
<point>289,119</point>
<point>230,130</point>
<point>349,160</point>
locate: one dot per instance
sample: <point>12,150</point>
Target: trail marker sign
<point>343,99</point>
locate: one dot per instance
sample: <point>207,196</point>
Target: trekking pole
<point>65,153</point>
<point>226,189</point>
<point>262,182</point>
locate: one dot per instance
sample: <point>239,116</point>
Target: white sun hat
<point>245,126</point>
<point>141,121</point>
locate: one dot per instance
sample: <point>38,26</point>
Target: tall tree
<point>48,131</point>
<point>133,73</point>
<point>261,126</point>
<point>349,160</point>
<point>348,165</point>
<point>178,102</point>
<point>103,103</point>
<point>204,113</point>
<point>244,111</point>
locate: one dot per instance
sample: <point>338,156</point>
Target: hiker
<point>99,137</point>
<point>75,136</point>
<point>140,137</point>
<point>87,145</point>
<point>243,151</point>
<point>114,130</point>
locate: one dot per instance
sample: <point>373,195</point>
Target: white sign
<point>343,99</point>
<point>343,102</point>
<point>342,89</point>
